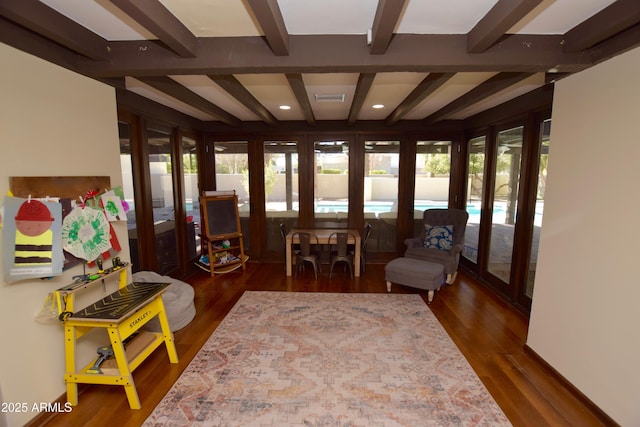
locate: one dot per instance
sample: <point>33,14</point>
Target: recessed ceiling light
<point>285,107</point>
<point>377,106</point>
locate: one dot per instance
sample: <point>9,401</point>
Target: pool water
<point>381,207</point>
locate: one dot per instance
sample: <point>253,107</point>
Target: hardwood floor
<point>487,330</point>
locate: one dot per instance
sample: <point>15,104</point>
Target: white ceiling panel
<point>442,16</point>
<point>457,86</point>
<point>527,85</point>
<point>558,16</point>
<point>273,90</point>
<point>209,90</point>
<point>142,89</point>
<point>102,17</point>
<point>214,18</point>
<point>388,89</point>
<point>328,16</point>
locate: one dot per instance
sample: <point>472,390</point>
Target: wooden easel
<point>222,225</point>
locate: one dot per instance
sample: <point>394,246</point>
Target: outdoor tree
<point>438,164</point>
<point>270,174</point>
<point>231,163</point>
<point>190,162</point>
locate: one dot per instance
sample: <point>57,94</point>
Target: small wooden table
<point>323,235</point>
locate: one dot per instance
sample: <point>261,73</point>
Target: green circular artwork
<point>85,233</point>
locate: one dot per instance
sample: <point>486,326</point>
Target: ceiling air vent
<point>330,97</point>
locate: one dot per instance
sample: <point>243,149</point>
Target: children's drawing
<point>113,208</point>
<point>85,233</point>
<point>31,243</point>
<point>69,259</point>
<point>34,238</point>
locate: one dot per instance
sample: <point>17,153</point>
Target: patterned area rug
<point>324,359</point>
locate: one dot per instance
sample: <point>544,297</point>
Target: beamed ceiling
<point>234,61</point>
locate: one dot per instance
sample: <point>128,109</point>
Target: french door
<point>506,170</point>
<point>281,192</point>
<point>160,186</point>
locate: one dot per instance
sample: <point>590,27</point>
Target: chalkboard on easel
<point>221,217</point>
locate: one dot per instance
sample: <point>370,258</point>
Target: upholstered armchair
<point>441,239</point>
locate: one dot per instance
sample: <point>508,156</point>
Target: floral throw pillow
<point>438,237</point>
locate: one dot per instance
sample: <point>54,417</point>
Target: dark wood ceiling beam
<point>45,21</point>
<point>613,46</point>
<point>502,16</point>
<point>430,84</point>
<point>341,54</point>
<point>238,91</point>
<point>384,24</point>
<point>362,89</point>
<point>268,14</point>
<point>554,77</point>
<point>133,103</point>
<point>181,93</point>
<point>156,18</point>
<point>492,86</point>
<point>611,20</point>
<point>300,91</point>
<point>19,37</point>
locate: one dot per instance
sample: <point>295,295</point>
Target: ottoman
<point>415,273</point>
<point>177,299</point>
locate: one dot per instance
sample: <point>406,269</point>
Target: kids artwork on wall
<point>113,206</point>
<point>31,239</point>
<point>42,237</point>
<point>85,233</point>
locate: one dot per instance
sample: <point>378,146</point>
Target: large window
<point>505,201</point>
<point>281,196</point>
<point>190,194</point>
<point>503,230</point>
<point>232,173</point>
<point>381,167</point>
<point>433,170</point>
<point>160,185</point>
<point>475,185</point>
<point>539,209</point>
<point>159,143</point>
<point>126,165</point>
<point>331,193</point>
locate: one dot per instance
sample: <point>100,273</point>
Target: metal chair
<point>307,253</point>
<point>363,247</point>
<point>339,251</point>
<point>295,248</point>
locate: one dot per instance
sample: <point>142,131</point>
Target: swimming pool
<point>382,207</point>
<point>377,208</point>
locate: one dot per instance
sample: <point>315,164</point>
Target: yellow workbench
<point>122,314</point>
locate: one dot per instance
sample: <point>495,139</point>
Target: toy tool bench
<point>122,314</point>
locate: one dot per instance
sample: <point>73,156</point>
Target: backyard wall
<point>585,317</point>
<point>336,186</point>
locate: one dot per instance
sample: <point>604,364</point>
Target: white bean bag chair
<point>177,299</point>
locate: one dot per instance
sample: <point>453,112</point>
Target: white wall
<point>585,317</point>
<point>52,122</point>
